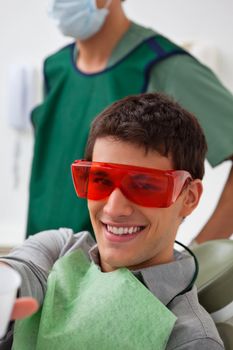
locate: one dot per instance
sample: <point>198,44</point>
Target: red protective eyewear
<point>144,186</point>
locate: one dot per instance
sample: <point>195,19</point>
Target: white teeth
<point>114,230</point>
<point>131,230</point>
<point>123,230</point>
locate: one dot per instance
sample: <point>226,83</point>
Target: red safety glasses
<point>143,186</point>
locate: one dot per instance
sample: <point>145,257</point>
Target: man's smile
<point>120,232</point>
<point>123,230</point>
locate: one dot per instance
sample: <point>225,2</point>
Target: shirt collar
<point>165,281</point>
<point>134,36</point>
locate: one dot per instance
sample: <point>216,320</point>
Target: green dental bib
<point>86,309</point>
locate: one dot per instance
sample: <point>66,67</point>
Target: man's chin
<point>112,263</point>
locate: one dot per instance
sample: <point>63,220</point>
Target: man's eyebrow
<point>100,173</point>
<point>142,177</point>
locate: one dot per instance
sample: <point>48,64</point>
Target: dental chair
<point>215,284</point>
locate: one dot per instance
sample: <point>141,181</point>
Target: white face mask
<point>79,19</point>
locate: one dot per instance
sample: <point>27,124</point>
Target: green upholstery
<point>225,330</point>
<point>215,279</point>
<point>215,284</point>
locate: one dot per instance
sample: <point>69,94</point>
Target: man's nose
<point>118,205</point>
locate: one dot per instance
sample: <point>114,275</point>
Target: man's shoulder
<point>64,240</point>
<point>194,328</point>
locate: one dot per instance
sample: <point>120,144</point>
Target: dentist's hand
<point>24,307</point>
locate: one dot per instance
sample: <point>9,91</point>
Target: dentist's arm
<point>220,224</point>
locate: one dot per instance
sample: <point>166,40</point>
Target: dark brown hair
<point>155,122</point>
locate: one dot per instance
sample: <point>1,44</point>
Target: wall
<point>27,36</point>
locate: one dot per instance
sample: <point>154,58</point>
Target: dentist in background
<point>112,57</point>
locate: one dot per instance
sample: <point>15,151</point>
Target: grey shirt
<point>194,328</point>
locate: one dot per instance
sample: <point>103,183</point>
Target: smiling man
<point>141,177</point>
<point>130,234</point>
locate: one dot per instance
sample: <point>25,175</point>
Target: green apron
<point>86,309</point>
<point>62,124</point>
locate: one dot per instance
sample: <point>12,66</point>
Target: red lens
<point>101,183</point>
<point>147,189</point>
<point>143,186</point>
<point>80,175</point>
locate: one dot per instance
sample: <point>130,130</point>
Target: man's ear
<point>192,195</point>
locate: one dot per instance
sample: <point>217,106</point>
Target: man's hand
<point>24,307</point>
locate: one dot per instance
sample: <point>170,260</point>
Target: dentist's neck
<point>94,53</point>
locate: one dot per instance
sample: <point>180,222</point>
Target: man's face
<point>154,229</point>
